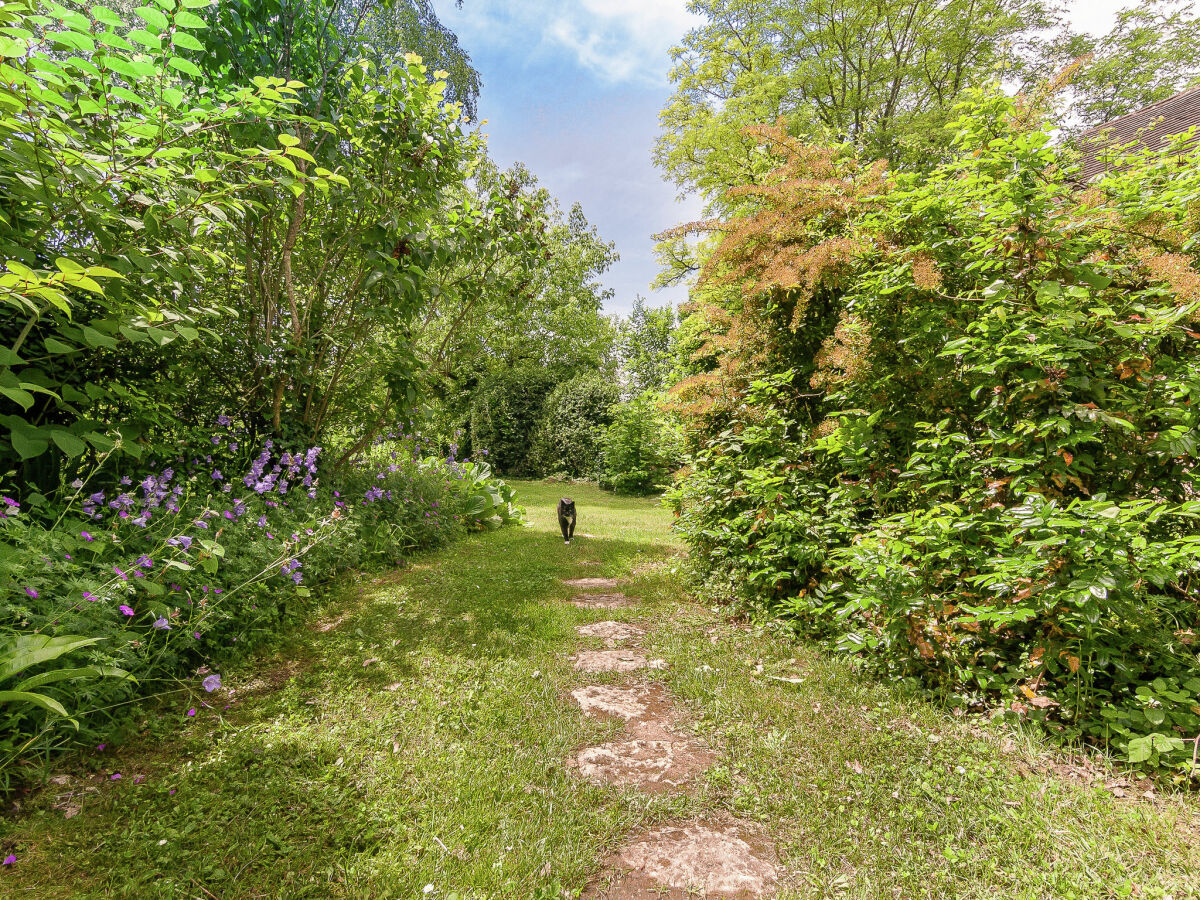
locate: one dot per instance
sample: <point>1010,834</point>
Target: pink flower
<point>126,609</point>
<point>191,712</point>
<point>31,592</point>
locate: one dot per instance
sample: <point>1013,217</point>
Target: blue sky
<point>573,88</point>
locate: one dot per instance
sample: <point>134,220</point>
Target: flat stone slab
<point>651,766</point>
<point>612,633</point>
<point>593,582</point>
<point>601,601</point>
<point>688,861</point>
<point>645,709</point>
<point>614,661</point>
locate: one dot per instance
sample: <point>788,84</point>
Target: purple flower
<point>87,537</point>
<point>31,592</point>
<point>216,475</point>
<point>125,609</point>
<point>162,624</point>
<point>228,515</point>
<point>10,859</point>
<point>144,562</point>
<point>223,419</point>
<point>191,712</point>
<point>196,635</point>
<point>101,746</point>
<point>115,776</point>
<point>120,574</point>
<point>126,481</point>
<point>90,597</point>
<point>212,682</point>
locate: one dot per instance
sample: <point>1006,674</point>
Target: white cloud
<point>619,41</point>
<point>622,40</point>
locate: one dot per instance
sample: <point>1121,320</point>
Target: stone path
<point>710,859</point>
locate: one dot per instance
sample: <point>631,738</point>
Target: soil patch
<point>593,582</point>
<point>683,861</point>
<point>601,601</point>
<point>612,633</point>
<point>614,661</point>
<point>651,766</point>
<point>646,709</point>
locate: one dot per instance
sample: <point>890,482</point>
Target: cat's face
<point>568,505</point>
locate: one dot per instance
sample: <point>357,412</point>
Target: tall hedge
<point>505,413</point>
<point>574,418</point>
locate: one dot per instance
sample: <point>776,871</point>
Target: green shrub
<point>574,418</point>
<point>505,413</point>
<point>994,491</point>
<point>640,448</point>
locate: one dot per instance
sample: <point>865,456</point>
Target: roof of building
<point>1151,128</point>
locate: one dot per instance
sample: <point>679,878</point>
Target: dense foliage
<point>641,448</point>
<point>274,217</point>
<point>950,424</point>
<point>568,437</point>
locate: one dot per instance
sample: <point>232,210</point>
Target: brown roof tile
<point>1152,128</point>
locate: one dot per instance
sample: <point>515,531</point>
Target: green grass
<point>442,762</point>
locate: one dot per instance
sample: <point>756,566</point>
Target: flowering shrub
<point>189,565</point>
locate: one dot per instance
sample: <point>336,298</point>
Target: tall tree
<point>646,346</point>
<point>882,75</point>
<point>1152,52</point>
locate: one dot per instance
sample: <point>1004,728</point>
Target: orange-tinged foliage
<point>794,241</point>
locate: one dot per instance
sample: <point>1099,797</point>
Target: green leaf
<point>302,154</point>
<point>185,40</point>
<point>184,19</point>
<point>23,651</point>
<point>153,17</point>
<point>53,345</point>
<point>289,140</point>
<point>145,38</point>
<point>23,398</point>
<point>71,674</point>
<point>180,64</point>
<point>70,444</point>
<point>47,703</point>
<point>106,16</point>
<point>29,443</point>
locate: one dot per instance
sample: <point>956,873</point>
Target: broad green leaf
<point>47,703</point>
<point>70,444</point>
<point>29,442</point>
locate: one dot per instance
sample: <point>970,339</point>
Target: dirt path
<point>472,727</point>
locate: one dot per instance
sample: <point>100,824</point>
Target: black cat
<point>566,518</point>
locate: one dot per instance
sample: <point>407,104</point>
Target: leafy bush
<point>505,413</point>
<point>575,415</point>
<point>640,448</point>
<point>969,455</point>
<point>137,586</point>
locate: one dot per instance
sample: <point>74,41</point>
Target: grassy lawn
<point>420,742</point>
